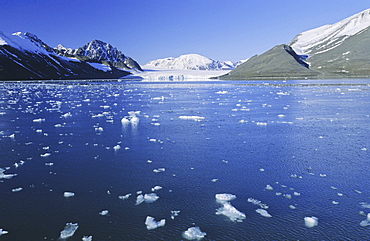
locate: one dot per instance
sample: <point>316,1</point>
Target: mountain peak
<point>320,39</point>
<point>191,62</point>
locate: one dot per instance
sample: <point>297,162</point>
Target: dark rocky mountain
<point>23,56</point>
<point>340,50</point>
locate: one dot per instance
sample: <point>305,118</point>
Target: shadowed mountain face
<point>23,56</point>
<point>340,50</point>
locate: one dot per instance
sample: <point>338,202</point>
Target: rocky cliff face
<point>23,56</point>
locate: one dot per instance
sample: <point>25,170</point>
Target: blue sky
<point>152,29</point>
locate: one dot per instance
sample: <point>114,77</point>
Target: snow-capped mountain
<point>98,50</point>
<point>191,62</point>
<point>339,50</point>
<point>25,56</point>
<point>328,37</point>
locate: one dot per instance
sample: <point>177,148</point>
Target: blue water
<point>309,139</point>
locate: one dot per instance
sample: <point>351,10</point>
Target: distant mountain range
<point>23,56</point>
<point>340,50</point>
<point>191,62</point>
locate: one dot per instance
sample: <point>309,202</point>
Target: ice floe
<point>366,222</point>
<point>18,189</point>
<point>263,212</point>
<point>152,224</point>
<point>156,188</point>
<point>68,194</point>
<point>231,212</point>
<point>311,221</point>
<point>87,238</point>
<point>5,176</point>
<point>2,231</point>
<point>193,233</point>
<point>257,202</point>
<point>224,197</point>
<point>194,118</point>
<point>125,196</point>
<point>68,230</point>
<point>269,187</point>
<point>159,170</point>
<point>104,212</point>
<point>148,198</point>
<point>174,214</point>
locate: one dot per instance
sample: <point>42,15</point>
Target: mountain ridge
<point>338,50</point>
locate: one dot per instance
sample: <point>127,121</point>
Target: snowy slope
<point>25,56</point>
<point>191,62</point>
<point>327,37</point>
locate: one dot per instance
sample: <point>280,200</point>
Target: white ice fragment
<point>87,238</point>
<point>281,116</point>
<point>69,230</point>
<point>139,199</point>
<point>152,224</point>
<point>66,115</point>
<point>116,147</point>
<point>365,205</point>
<point>231,212</point>
<point>18,189</point>
<point>311,221</point>
<point>12,136</point>
<point>125,121</point>
<point>45,154</point>
<point>174,214</point>
<point>292,207</point>
<point>125,196</point>
<point>151,197</point>
<point>263,212</point>
<point>104,212</point>
<point>159,170</point>
<point>287,196</point>
<point>68,194</point>
<point>224,197</point>
<point>262,170</point>
<point>49,164</point>
<point>38,120</point>
<point>257,202</point>
<point>193,233</point>
<point>269,187</point>
<point>335,202</point>
<point>366,222</point>
<point>221,92</point>
<point>6,176</point>
<point>3,231</point>
<point>156,188</point>
<point>214,180</point>
<point>261,123</point>
<point>194,118</point>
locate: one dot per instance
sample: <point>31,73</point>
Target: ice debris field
<point>184,161</point>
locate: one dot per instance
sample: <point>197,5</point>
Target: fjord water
<point>308,140</point>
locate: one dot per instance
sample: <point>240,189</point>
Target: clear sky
<point>151,29</point>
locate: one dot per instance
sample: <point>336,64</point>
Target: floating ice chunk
<point>45,154</point>
<point>311,221</point>
<point>366,222</point>
<point>125,121</point>
<point>194,118</point>
<point>335,202</point>
<point>38,120</point>
<point>193,233</point>
<point>231,212</point>
<point>297,194</point>
<point>6,176</point>
<point>261,123</point>
<point>281,116</point>
<point>125,196</point>
<point>139,199</point>
<point>292,207</point>
<point>159,170</point>
<point>49,164</point>
<point>214,180</point>
<point>221,92</point>
<point>152,224</point>
<point>116,147</point>
<point>12,136</point>
<point>174,214</point>
<point>68,194</point>
<point>87,238</point>
<point>69,230</point>
<point>156,188</point>
<point>263,212</point>
<point>3,231</point>
<point>18,189</point>
<point>257,202</point>
<point>66,115</point>
<point>224,197</point>
<point>151,197</point>
<point>365,205</point>
<point>288,196</point>
<point>268,187</point>
<point>104,212</point>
